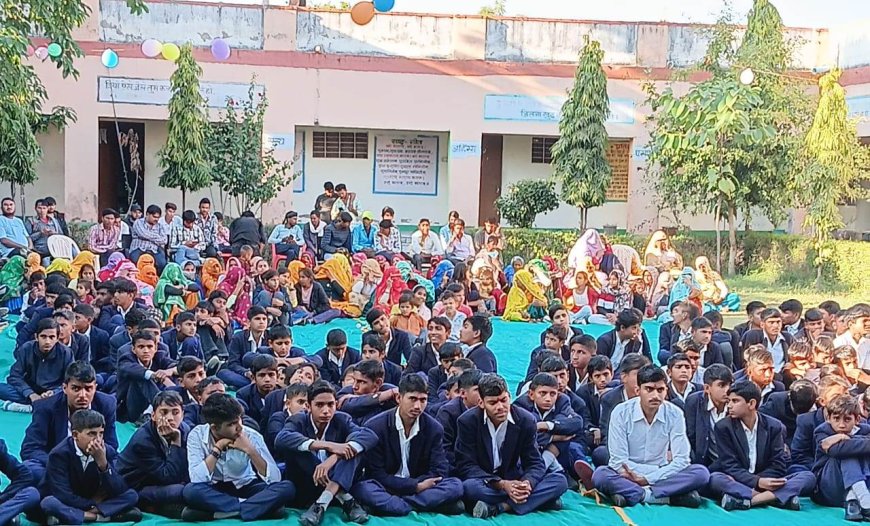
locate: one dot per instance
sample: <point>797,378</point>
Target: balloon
<point>170,52</point>
<point>384,6</point>
<point>151,48</point>
<point>362,13</point>
<point>54,49</point>
<point>109,58</point>
<point>41,52</point>
<point>220,49</point>
<point>30,50</point>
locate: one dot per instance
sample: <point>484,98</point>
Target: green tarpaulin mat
<point>512,343</point>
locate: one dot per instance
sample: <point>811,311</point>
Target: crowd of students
<point>417,417</point>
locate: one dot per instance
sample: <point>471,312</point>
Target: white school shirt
<point>777,349</point>
<point>83,457</point>
<point>618,352</point>
<point>233,465</point>
<point>405,443</point>
<point>497,436</point>
<point>752,441</point>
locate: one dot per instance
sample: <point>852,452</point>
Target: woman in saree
<point>336,274</point>
<point>60,265</point>
<point>366,283</point>
<point>211,275</point>
<point>107,272</point>
<point>629,259</point>
<point>389,290</point>
<point>715,292</point>
<point>172,294</point>
<point>589,245</point>
<point>237,286</point>
<point>148,269</point>
<point>128,270</point>
<point>83,258</point>
<point>442,275</point>
<point>687,288</point>
<point>526,298</point>
<point>12,278</point>
<point>34,264</point>
<point>356,263</point>
<point>614,297</point>
<point>661,254</point>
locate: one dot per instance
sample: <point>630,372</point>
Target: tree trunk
<point>732,240</point>
<point>719,234</point>
<point>183,200</point>
<point>582,219</point>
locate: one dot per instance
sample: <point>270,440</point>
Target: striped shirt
<point>209,228</point>
<point>101,240</point>
<point>147,237</point>
<point>180,236</point>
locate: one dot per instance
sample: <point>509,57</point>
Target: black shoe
<point>131,515</point>
<point>277,515</point>
<point>354,512</point>
<point>313,516</point>
<point>793,504</point>
<point>853,511</point>
<point>553,505</point>
<point>865,513</point>
<point>618,500</point>
<point>730,503</point>
<point>195,515</point>
<point>687,500</point>
<point>457,507</point>
<point>483,510</point>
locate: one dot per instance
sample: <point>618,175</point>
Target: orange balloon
<point>363,13</point>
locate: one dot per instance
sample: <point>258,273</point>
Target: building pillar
<point>81,169</point>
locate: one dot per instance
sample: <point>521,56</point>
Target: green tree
<point>579,155</point>
<point>22,94</point>
<point>184,157</point>
<point>498,8</point>
<point>835,168</point>
<point>245,170</point>
<point>525,200</point>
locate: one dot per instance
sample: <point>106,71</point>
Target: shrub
<point>525,200</point>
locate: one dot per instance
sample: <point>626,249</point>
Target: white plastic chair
<point>62,247</point>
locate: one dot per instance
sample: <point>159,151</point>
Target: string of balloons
<point>151,48</point>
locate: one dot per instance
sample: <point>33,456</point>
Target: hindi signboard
<point>156,92</point>
<point>406,164</point>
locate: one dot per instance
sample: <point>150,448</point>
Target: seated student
<point>771,337</point>
<point>67,335</point>
<point>271,298</point>
<point>142,373</point>
<point>476,331</point>
<point>38,370</point>
<point>264,368</point>
<point>498,460</point>
<point>458,366</point>
<point>701,332</point>
<point>600,376</point>
<point>81,480</point>
<point>846,359</point>
<point>336,357</point>
<point>561,318</point>
<point>554,339</point>
<point>369,396</point>
<point>802,445</point>
<point>106,310</point>
<point>759,368</point>
<point>703,410</point>
<point>211,329</point>
<point>408,470</point>
<point>98,339</point>
<point>295,400</point>
<point>233,373</point>
<point>398,341</point>
<point>408,318</point>
<point>154,462</point>
<point>121,337</point>
<point>449,413</point>
<point>649,451</point>
<point>791,311</point>
<point>801,358</point>
<point>751,469</point>
<point>20,495</point>
<point>303,373</point>
<point>49,425</point>
<point>280,346</point>
<point>842,444</point>
<point>787,406</point>
<point>232,473</point>
<point>615,397</point>
<point>626,338</point>
<point>181,339</point>
<point>723,336</point>
<point>374,348</point>
<point>753,321</point>
<point>557,367</point>
<point>424,356</point>
<point>27,331</point>
<point>190,373</point>
<point>451,314</point>
<point>581,349</point>
<point>324,450</point>
<point>448,354</point>
<point>693,354</point>
<point>210,386</point>
<point>680,385</point>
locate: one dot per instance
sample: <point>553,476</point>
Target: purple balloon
<point>220,49</point>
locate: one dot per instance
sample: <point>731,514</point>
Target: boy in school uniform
<point>369,396</point>
<point>581,349</point>
<point>680,385</point>
<point>448,414</point>
<point>190,373</point>
<point>498,460</point>
<point>38,370</point>
<point>424,356</point>
<point>631,364</point>
<point>554,340</point>
<point>336,357</point>
<point>600,376</point>
<point>265,371</point>
<point>842,445</point>
<point>146,325</point>
<point>142,373</point>
<point>703,410</point>
<point>280,345</point>
<point>232,473</point>
<point>49,425</point>
<point>374,348</point>
<point>181,339</point>
<point>154,462</point>
<point>20,495</point>
<point>233,373</point>
<point>119,339</point>
<point>556,367</point>
<point>26,331</point>
<point>81,480</point>
<point>787,406</point>
<point>397,341</point>
<point>803,447</point>
<point>407,470</point>
<point>448,354</point>
<point>67,335</point>
<point>324,450</point>
<point>98,339</point>
<point>295,400</point>
<point>562,319</point>
<point>759,368</point>
<point>649,450</point>
<point>303,373</point>
<point>751,469</point>
<point>475,332</point>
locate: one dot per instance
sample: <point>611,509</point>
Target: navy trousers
<point>37,469</point>
<point>300,470</point>
<point>600,456</point>
<point>260,498</point>
<point>372,493</point>
<point>16,501</point>
<point>154,497</point>
<point>796,485</point>
<point>233,379</point>
<point>110,507</point>
<point>550,488</point>
<point>837,476</point>
<point>570,452</point>
<point>11,394</point>
<point>608,481</point>
<point>136,400</point>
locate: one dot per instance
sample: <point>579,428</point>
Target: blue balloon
<point>109,58</point>
<point>384,6</point>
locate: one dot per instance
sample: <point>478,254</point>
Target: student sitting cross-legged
<point>649,450</point>
<point>704,409</point>
<point>232,473</point>
<point>407,469</point>
<point>323,449</point>
<point>154,463</point>
<point>295,400</point>
<point>449,413</point>
<point>497,457</point>
<point>142,373</point>
<point>21,495</point>
<point>81,481</point>
<point>38,370</point>
<point>369,396</point>
<point>751,469</point>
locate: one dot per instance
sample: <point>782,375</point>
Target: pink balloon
<point>41,52</point>
<point>220,49</point>
<point>151,48</point>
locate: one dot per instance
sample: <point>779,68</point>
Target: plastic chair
<point>276,258</point>
<point>62,247</point>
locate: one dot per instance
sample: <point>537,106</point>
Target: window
<point>541,149</point>
<point>341,145</point>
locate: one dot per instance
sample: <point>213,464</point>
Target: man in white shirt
<point>649,450</point>
<point>424,245</point>
<point>459,247</point>
<point>856,335</point>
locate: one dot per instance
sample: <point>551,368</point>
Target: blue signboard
<point>546,109</point>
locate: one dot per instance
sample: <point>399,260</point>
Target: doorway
<point>122,169</point>
<point>492,150</point>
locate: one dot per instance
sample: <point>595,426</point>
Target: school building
<point>425,113</point>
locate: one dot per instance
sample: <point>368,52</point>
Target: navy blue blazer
<point>364,407</point>
<point>436,377</point>
<point>18,474</point>
<point>520,458</point>
<point>105,319</point>
<point>76,487</point>
<point>572,331</point>
<point>49,425</point>
<point>665,333</point>
<point>36,372</point>
<point>341,429</point>
<point>426,458</point>
<point>448,414</point>
<point>100,350</point>
<point>331,372</point>
<point>392,373</point>
<point>698,427</point>
<point>398,347</point>
<point>802,444</point>
<point>295,352</point>
<point>423,358</point>
<point>239,346</point>
<point>149,461</point>
<point>674,398</point>
<point>713,354</point>
<point>274,426</point>
<point>778,406</point>
<point>483,358</point>
<point>609,400</point>
<point>187,347</point>
<point>274,403</point>
<point>27,332</point>
<point>565,420</point>
<point>770,455</point>
<point>607,343</point>
<point>256,403</point>
<point>757,336</point>
<point>80,347</point>
<point>118,343</point>
<point>593,403</point>
<point>857,446</point>
<point>778,387</point>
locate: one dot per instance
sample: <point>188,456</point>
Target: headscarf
<point>427,285</point>
<point>254,261</point>
<point>652,247</point>
<point>629,259</point>
<point>59,265</point>
<point>621,293</point>
<point>336,269</point>
<point>12,276</point>
<point>405,270</point>
<point>523,292</point>
<point>211,274</point>
<point>681,290</point>
<point>234,262</point>
<point>509,271</point>
<point>390,289</point>
<point>84,257</point>
<point>442,270</point>
<point>243,300</point>
<point>173,276</point>
<point>127,270</point>
<point>370,272</point>
<point>293,269</point>
<point>357,261</point>
<point>589,244</point>
<point>106,273</point>
<point>147,269</point>
<point>34,263</point>
<point>308,260</point>
<point>710,281</point>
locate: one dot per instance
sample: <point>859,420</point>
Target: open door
<point>492,148</point>
<point>122,169</point>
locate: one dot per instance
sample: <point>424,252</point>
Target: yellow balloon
<point>170,52</point>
